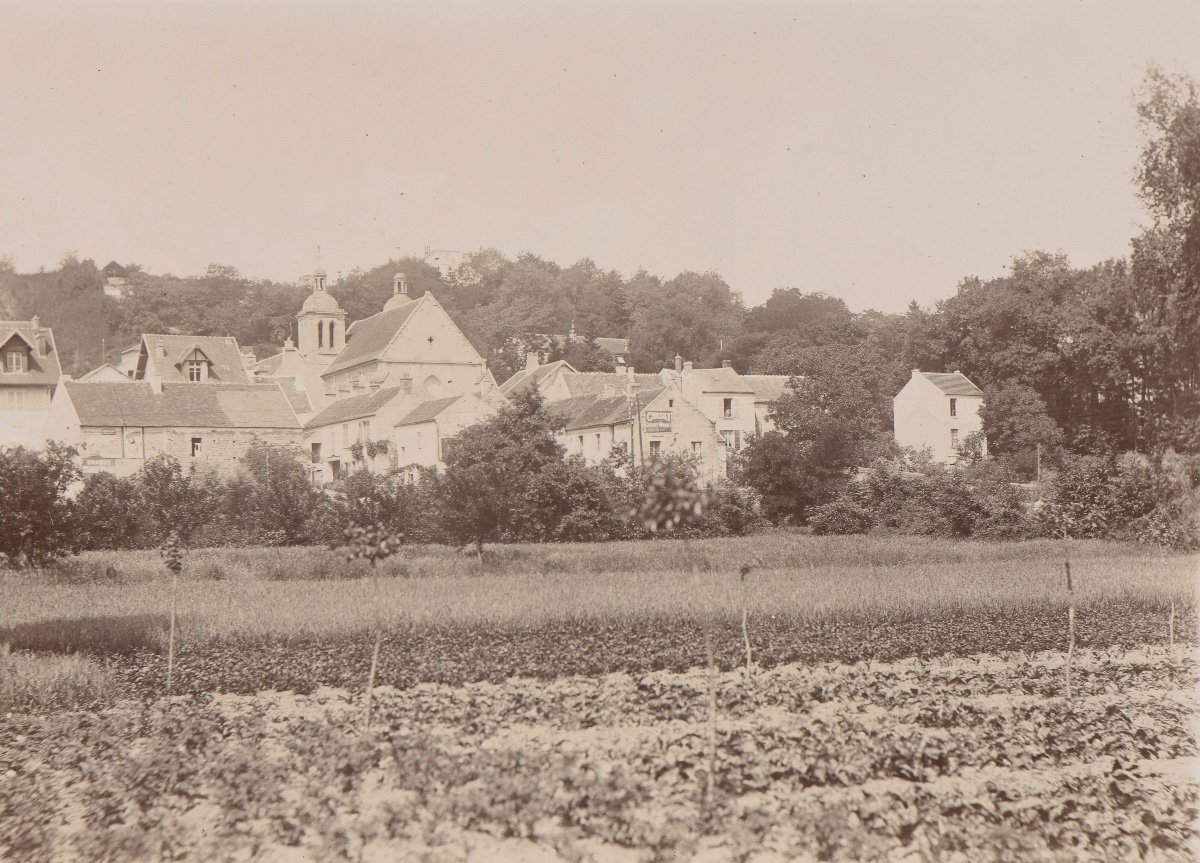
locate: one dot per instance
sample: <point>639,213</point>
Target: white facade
<point>937,411</point>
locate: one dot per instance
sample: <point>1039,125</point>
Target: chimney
<point>630,381</point>
<point>400,285</point>
<point>957,372</point>
<point>726,364</point>
<point>687,367</point>
<point>405,383</point>
<point>531,360</point>
<point>36,323</point>
<point>162,349</point>
<point>916,373</point>
<point>678,363</point>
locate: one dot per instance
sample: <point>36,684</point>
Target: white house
<point>29,371</point>
<point>938,411</point>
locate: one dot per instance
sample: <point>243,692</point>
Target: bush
<point>841,516</point>
<point>38,523</point>
<point>107,520</point>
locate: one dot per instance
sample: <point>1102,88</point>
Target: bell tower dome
<point>321,322</point>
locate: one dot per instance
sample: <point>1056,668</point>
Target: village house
<point>938,411</point>
<point>768,389</point>
<point>647,422</point>
<point>722,395</point>
<point>29,371</point>
<point>426,435</point>
<point>117,426</point>
<point>107,373</point>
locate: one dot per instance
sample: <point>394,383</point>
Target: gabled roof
<point>224,356</point>
<point>354,407</point>
<point>590,411</point>
<point>367,339</point>
<point>720,380</point>
<point>268,365</point>
<point>612,346</point>
<point>247,406</point>
<point>107,372</point>
<point>526,378</point>
<point>953,383</point>
<point>41,370</point>
<point>767,388</point>
<point>427,411</point>
<point>296,397</point>
<point>593,383</point>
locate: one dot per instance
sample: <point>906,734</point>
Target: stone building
<point>29,371</point>
<point>117,426</point>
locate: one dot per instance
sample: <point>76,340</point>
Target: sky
<point>877,151</point>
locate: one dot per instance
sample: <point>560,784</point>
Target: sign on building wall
<point>657,421</point>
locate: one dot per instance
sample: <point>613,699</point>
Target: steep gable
<point>164,356</point>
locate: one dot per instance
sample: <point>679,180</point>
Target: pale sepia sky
<point>878,151</point>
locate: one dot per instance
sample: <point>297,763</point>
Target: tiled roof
<point>367,339</point>
<point>296,397</point>
<point>268,365</point>
<point>354,407</point>
<point>427,411</point>
<point>720,380</point>
<point>767,388</point>
<point>526,378</point>
<point>188,405</point>
<point>589,411</point>
<point>953,383</point>
<point>224,355</point>
<point>593,383</point>
<point>42,370</point>
<point>612,346</point>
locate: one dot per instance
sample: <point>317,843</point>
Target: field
<point>906,699</point>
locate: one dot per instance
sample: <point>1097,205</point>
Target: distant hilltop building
<point>937,411</point>
<point>444,260</point>
<point>115,278</point>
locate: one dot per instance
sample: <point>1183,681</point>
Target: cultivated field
<point>906,700</point>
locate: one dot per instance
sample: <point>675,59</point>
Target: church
<point>388,391</point>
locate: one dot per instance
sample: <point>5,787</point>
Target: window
<point>364,431</point>
<point>953,407</point>
<point>597,444</point>
<point>15,400</point>
<point>331,324</point>
<point>195,371</point>
<point>316,453</point>
<point>197,443</point>
<point>733,438</point>
<point>345,435</point>
<point>14,361</point>
<point>697,447</point>
<point>954,438</point>
<point>581,444</point>
<point>320,334</point>
<point>655,448</point>
<point>727,408</point>
<point>670,403</point>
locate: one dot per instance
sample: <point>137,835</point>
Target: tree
<point>282,498</point>
<point>1015,424</point>
<point>106,520</point>
<point>695,315</point>
<point>173,500</point>
<point>38,524</point>
<point>487,490</point>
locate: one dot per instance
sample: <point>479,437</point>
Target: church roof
<point>224,356</point>
<point>181,405</point>
<point>321,301</point>
<point>368,338</point>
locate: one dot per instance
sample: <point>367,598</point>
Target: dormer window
<point>197,371</point>
<point>15,361</point>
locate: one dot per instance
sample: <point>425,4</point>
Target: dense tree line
<point>1098,359</point>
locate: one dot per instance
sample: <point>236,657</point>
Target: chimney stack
<point>531,360</point>
<point>678,363</point>
<point>36,323</point>
<point>162,349</point>
<point>687,367</point>
<point>726,364</point>
<point>400,284</point>
<point>916,373</point>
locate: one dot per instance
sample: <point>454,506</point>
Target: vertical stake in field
<point>172,556</point>
<point>373,543</point>
<point>744,572</point>
<point>1070,611</point>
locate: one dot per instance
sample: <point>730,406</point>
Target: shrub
<point>107,520</point>
<point>39,522</point>
<point>841,516</point>
<point>173,500</point>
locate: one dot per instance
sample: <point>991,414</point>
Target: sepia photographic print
<point>599,431</point>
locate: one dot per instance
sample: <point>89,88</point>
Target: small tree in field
<point>38,525</point>
<point>372,543</point>
<point>172,556</point>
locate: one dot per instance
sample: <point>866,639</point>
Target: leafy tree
<point>173,500</point>
<point>106,519</point>
<point>1015,423</point>
<point>282,497</point>
<point>695,315</point>
<point>38,524</point>
<point>491,489</point>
